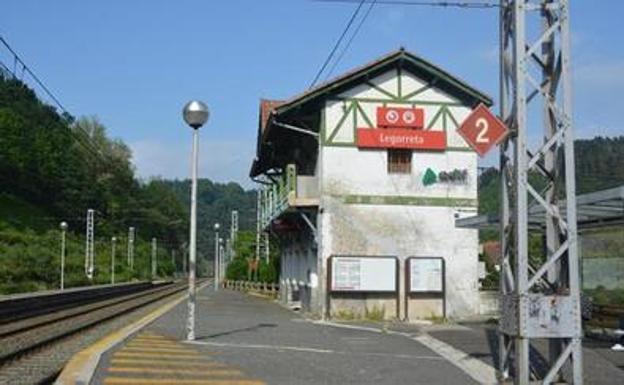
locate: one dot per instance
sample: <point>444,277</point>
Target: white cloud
<point>221,161</point>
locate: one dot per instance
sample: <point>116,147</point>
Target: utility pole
<point>154,257</point>
<point>540,298</point>
<point>63,226</point>
<point>90,244</point>
<point>131,247</point>
<point>113,242</point>
<point>216,257</point>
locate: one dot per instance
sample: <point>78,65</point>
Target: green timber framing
<point>354,109</point>
<point>313,101</point>
<point>275,198</point>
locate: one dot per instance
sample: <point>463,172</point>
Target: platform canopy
<point>594,210</point>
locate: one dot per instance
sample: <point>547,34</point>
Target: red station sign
<point>401,128</point>
<point>395,117</point>
<point>482,130</point>
<point>401,138</point>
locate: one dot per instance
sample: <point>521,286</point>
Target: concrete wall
<point>364,211</point>
<point>367,212</point>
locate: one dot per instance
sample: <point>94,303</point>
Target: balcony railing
<point>278,197</point>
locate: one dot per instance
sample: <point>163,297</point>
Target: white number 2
<point>483,125</point>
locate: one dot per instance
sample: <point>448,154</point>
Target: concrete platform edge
<point>80,369</point>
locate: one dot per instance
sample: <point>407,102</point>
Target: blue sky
<point>134,64</point>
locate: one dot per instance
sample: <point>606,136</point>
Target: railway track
<point>35,344</point>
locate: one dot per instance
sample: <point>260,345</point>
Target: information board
<point>364,274</point>
<point>426,275</point>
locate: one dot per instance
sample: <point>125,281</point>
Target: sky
<point>134,63</point>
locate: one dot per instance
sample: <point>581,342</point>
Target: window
<point>399,161</point>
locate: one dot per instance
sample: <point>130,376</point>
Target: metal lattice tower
<point>234,226</point>
<point>540,294</point>
<point>131,247</point>
<point>233,234</point>
<point>262,237</point>
<point>90,244</point>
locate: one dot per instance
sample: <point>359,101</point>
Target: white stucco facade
<point>366,211</point>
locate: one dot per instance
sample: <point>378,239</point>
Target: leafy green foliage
<point>215,202</point>
<point>239,268</point>
<point>52,169</point>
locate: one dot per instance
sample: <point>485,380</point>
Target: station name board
<point>401,138</point>
<point>401,128</point>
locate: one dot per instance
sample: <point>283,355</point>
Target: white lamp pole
<point>216,258</point>
<point>63,231</point>
<point>195,114</point>
<point>113,241</point>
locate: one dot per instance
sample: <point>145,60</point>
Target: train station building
<point>362,180</point>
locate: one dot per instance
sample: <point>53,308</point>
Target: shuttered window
<point>399,161</point>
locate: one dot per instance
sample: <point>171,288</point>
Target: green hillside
<point>53,168</point>
<point>599,166</point>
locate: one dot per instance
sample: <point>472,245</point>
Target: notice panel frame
<point>409,294</point>
<point>330,268</point>
<point>330,273</point>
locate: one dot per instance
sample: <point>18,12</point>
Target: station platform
<point>245,340</point>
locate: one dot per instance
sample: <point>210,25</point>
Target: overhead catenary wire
<point>449,4</point>
<point>342,36</point>
<point>85,141</point>
<point>346,47</point>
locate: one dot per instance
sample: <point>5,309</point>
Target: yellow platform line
<point>80,369</point>
<point>156,350</point>
<point>153,339</point>
<point>150,335</point>
<point>183,371</point>
<point>192,356</point>
<point>177,381</point>
<point>134,341</point>
<point>165,363</point>
<point>153,343</point>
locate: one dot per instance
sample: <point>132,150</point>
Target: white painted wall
<point>387,229</point>
<point>401,230</point>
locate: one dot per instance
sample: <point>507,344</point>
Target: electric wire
<point>333,51</point>
<point>85,139</point>
<point>346,47</point>
<point>448,4</point>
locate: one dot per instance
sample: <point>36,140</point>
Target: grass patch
<point>375,314</point>
<point>346,315</point>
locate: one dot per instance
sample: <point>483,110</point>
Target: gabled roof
<point>312,99</point>
<point>266,108</point>
<point>426,69</point>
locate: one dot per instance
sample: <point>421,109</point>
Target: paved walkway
<point>243,340</point>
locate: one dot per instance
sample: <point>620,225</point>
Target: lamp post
<point>63,226</point>
<point>113,241</point>
<point>195,114</point>
<point>216,258</point>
